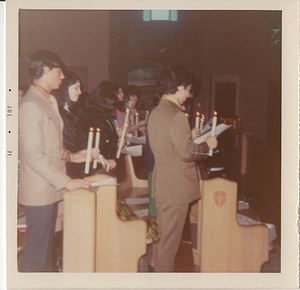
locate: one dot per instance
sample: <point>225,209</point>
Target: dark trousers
<point>37,252</point>
<point>171,219</point>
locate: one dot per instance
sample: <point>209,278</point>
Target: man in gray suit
<point>43,178</point>
<point>175,181</point>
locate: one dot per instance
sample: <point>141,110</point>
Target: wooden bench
<point>222,244</point>
<point>95,239</point>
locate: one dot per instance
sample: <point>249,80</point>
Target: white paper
<point>133,150</point>
<point>139,140</point>
<point>246,221</point>
<point>140,124</point>
<point>141,200</point>
<point>142,212</point>
<point>206,128</point>
<point>105,182</point>
<point>220,129</point>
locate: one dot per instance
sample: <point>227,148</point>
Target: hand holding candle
<point>97,143</point>
<point>89,149</point>
<point>213,130</point>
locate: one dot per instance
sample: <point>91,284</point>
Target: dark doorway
<point>225,99</point>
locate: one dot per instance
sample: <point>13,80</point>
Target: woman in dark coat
<point>101,114</point>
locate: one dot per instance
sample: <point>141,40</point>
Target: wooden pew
<point>223,245</point>
<point>95,239</point>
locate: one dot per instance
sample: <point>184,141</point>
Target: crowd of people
<point>54,121</point>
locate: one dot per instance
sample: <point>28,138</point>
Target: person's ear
<point>46,69</point>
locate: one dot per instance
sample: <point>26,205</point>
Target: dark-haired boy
<point>42,160</point>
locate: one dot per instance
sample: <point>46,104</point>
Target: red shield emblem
<point>220,198</point>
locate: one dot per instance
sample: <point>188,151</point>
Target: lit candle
<point>201,123</point>
<point>121,141</point>
<point>136,122</point>
<point>127,116</point>
<point>213,130</point>
<point>197,120</point>
<point>146,118</point>
<point>89,149</point>
<point>97,142</point>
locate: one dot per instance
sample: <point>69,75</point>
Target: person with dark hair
<point>132,96</point>
<point>175,181</point>
<point>101,114</point>
<point>74,140</point>
<point>43,177</point>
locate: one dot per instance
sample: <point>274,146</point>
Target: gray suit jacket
<point>175,177</point>
<point>42,169</point>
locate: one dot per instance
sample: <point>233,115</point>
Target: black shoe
<point>150,268</point>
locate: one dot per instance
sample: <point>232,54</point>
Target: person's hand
<point>143,129</point>
<point>195,133</point>
<point>111,165</point>
<point>95,153</point>
<point>212,142</point>
<point>77,183</point>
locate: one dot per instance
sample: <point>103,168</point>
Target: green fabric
<point>152,203</point>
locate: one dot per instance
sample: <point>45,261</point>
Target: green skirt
<point>152,204</point>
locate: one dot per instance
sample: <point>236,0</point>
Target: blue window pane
<point>173,15</point>
<point>146,15</point>
<point>160,15</point>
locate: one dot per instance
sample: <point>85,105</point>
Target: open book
<point>219,129</point>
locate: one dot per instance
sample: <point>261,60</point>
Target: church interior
<point>236,57</point>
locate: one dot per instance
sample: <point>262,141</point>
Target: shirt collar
<point>170,98</point>
<point>42,90</point>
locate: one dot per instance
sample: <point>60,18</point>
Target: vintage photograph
<point>150,142</point>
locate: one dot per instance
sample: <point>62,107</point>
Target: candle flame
<point>91,129</point>
<point>137,114</point>
<point>98,129</point>
<point>147,112</point>
<point>215,113</point>
<point>187,114</point>
<point>198,114</point>
<point>127,111</point>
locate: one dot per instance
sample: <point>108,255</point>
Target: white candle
<point>89,149</point>
<point>121,141</point>
<point>201,123</point>
<point>126,116</point>
<point>197,120</point>
<point>146,118</point>
<point>97,142</point>
<point>136,122</point>
<point>213,130</point>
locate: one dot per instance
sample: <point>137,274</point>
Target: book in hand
<point>138,140</point>
<point>135,150</point>
<point>137,126</point>
<point>219,129</point>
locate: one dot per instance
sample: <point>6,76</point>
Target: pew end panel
<point>120,244</point>
<point>79,231</point>
<point>95,239</point>
<point>225,245</point>
<point>131,177</point>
